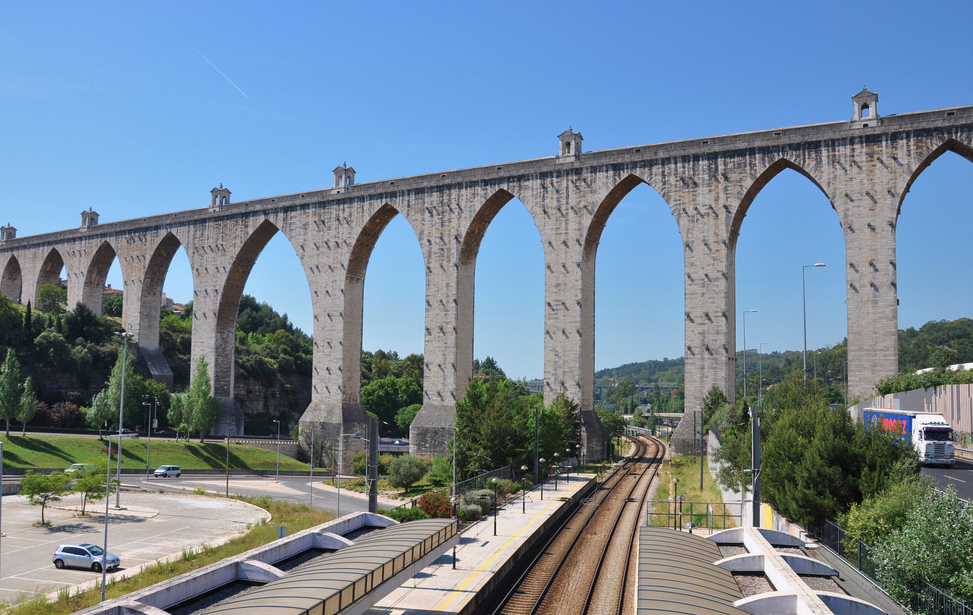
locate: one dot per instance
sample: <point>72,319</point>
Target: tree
<point>11,333</point>
<point>92,484</point>
<point>614,423</point>
<point>197,407</point>
<point>933,543</point>
<point>177,414</point>
<point>11,388</point>
<point>82,323</point>
<point>28,324</point>
<point>406,470</point>
<point>112,304</point>
<point>52,298</point>
<point>105,404</point>
<point>42,489</point>
<point>387,396</point>
<point>28,404</point>
<point>712,401</point>
<point>405,416</point>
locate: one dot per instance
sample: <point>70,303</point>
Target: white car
<point>167,471</point>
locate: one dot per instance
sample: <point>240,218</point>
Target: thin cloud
<point>221,73</point>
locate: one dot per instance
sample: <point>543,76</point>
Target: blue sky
<point>138,109</point>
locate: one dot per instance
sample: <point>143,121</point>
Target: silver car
<point>84,555</point>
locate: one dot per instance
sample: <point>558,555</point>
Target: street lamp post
<point>556,455</point>
<point>745,312</point>
<point>151,421</point>
<point>567,453</point>
<point>341,459</point>
<point>542,460</point>
<point>523,470</point>
<point>495,505</point>
<point>310,485</point>
<point>121,413</point>
<point>760,381</point>
<point>278,451</point>
<point>804,300</point>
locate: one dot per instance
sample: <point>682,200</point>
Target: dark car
<point>84,555</point>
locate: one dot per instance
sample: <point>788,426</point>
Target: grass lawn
<point>295,517</point>
<point>686,469</point>
<point>58,452</point>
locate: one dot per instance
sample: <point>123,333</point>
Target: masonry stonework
<point>864,166</point>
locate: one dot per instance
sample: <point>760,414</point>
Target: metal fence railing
<point>929,599</point>
<point>932,600</point>
<point>688,515</point>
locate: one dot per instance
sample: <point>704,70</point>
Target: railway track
<point>588,563</point>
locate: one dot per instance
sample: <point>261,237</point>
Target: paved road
<point>289,489</point>
<point>149,526</point>
<point>960,476</point>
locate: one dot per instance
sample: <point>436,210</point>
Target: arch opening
<point>504,258</point>
<point>264,324</point>
<point>51,292</point>
<point>96,275</point>
<point>931,256</point>
<point>392,315</point>
<point>639,298</point>
<point>792,230</point>
<point>12,281</point>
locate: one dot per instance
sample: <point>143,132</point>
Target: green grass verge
<point>686,469</point>
<point>295,517</point>
<point>46,451</point>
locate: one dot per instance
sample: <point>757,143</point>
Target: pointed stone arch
<point>949,145</point>
<point>466,283</point>
<point>49,273</point>
<point>599,220</point>
<point>12,280</point>
<point>354,299</point>
<point>150,297</point>
<point>772,171</point>
<point>95,275</point>
<point>229,303</point>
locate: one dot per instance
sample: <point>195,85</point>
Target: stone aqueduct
<point>865,166</point>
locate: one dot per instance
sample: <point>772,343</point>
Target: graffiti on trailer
<point>896,426</point>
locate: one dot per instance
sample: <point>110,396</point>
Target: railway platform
<point>483,552</point>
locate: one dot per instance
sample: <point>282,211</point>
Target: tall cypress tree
<point>28,325</point>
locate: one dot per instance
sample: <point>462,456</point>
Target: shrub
<point>441,471</point>
<point>469,512</point>
<point>359,463</point>
<point>403,514</point>
<point>406,470</point>
<point>484,498</point>
<point>505,486</point>
<point>436,504</point>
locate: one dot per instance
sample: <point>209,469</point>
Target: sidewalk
<point>481,554</point>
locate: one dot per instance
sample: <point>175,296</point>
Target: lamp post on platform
<point>523,470</point>
<point>745,312</point>
<point>542,460</point>
<point>804,301</point>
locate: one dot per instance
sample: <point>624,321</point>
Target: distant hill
<point>916,347</point>
<point>666,371</point>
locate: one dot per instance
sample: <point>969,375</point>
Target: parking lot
<point>147,527</point>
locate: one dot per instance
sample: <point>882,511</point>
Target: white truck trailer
<point>929,433</point>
